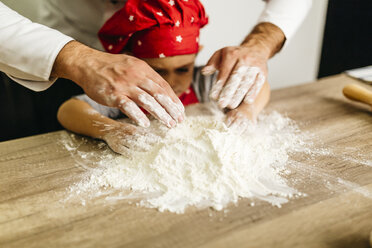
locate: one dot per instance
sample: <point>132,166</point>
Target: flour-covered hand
<point>246,113</point>
<point>243,69</point>
<point>241,118</point>
<point>124,137</point>
<point>122,81</point>
<point>242,72</point>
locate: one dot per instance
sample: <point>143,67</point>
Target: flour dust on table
<point>200,163</point>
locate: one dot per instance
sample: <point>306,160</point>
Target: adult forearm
<point>267,37</point>
<point>68,62</point>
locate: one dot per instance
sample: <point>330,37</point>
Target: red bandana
<point>155,28</point>
<point>189,97</point>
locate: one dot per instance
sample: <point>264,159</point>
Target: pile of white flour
<point>203,163</point>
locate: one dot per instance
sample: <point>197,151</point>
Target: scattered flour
<point>202,163</point>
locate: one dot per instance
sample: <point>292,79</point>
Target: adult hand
<point>120,81</point>
<point>243,69</point>
<point>242,72</point>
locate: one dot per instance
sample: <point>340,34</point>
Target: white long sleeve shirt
<point>28,50</point>
<point>285,14</point>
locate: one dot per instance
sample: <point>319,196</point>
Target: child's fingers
<point>121,150</point>
<point>130,109</point>
<point>240,118</point>
<point>133,143</point>
<point>236,122</point>
<point>117,145</point>
<point>230,118</point>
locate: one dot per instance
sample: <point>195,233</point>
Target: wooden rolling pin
<point>358,93</point>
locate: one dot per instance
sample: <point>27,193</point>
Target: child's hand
<point>246,114</point>
<point>123,137</point>
<point>241,117</point>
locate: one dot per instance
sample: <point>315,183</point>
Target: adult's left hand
<point>242,73</point>
<point>243,69</point>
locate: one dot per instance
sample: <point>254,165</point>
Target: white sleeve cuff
<point>34,85</point>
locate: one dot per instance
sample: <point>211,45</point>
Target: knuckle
<point>162,84</point>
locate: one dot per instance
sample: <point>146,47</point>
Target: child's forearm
<point>79,117</point>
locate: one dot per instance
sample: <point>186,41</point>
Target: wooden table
<point>337,211</point>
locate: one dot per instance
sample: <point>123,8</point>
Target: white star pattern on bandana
<point>192,19</point>
<point>179,38</point>
<point>131,18</point>
<point>171,2</point>
<point>110,47</point>
<point>177,24</point>
<point>159,13</point>
<point>161,55</point>
<point>139,43</point>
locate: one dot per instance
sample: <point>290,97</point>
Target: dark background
<point>347,44</point>
<point>347,40</point>
<point>24,112</point>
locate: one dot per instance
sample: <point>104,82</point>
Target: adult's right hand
<point>122,81</point>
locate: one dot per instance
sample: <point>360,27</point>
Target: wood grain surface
<point>35,173</point>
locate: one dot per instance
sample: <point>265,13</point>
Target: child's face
<point>176,70</point>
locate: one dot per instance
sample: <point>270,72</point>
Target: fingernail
<point>172,123</point>
<point>249,100</point>
<point>208,70</point>
<point>222,103</point>
<point>180,118</point>
<point>143,122</point>
<point>146,123</point>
